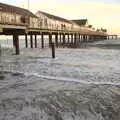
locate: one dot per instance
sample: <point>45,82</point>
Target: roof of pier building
<point>14,9</point>
<point>81,22</point>
<point>50,16</point>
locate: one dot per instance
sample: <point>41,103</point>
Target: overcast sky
<point>102,13</point>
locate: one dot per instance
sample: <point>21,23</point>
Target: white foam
<point>66,79</point>
<point>75,80</point>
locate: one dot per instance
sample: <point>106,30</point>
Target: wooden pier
<point>112,37</point>
<point>17,21</point>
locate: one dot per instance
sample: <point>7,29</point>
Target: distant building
<point>50,21</point>
<point>15,16</point>
<point>81,22</point>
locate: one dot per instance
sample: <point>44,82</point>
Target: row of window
<point>12,19</point>
<point>47,24</point>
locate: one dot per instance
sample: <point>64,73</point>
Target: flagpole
<point>28,4</point>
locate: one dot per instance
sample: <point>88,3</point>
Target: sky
<point>102,13</point>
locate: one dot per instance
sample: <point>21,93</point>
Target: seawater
<point>80,84</point>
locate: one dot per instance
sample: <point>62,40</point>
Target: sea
<point>79,84</point>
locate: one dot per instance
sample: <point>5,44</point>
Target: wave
<point>61,78</point>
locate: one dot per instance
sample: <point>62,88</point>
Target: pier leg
<point>42,40</point>
<point>53,50</point>
<point>63,39</point>
<point>89,39</point>
<point>14,41</point>
<point>16,44</point>
<point>72,38</point>
<point>31,40</point>
<point>35,41</point>
<point>79,38</point>
<point>56,40</point>
<point>82,38</point>
<point>50,39</point>
<point>68,39</point>
<point>26,41</point>
<point>75,38</point>
<point>86,38</point>
<point>60,38</point>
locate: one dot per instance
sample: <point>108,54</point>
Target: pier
<point>16,21</point>
<point>112,37</point>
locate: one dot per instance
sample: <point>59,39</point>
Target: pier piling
<point>26,41</point>
<point>35,41</point>
<point>31,40</point>
<point>0,50</point>
<point>16,43</point>
<point>63,40</point>
<point>56,40</point>
<point>53,49</point>
<point>42,40</point>
<point>50,39</point>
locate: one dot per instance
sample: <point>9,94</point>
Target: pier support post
<point>75,38</point>
<point>31,40</point>
<point>56,40</point>
<point>53,50</point>
<point>63,39</point>
<point>72,38</point>
<point>84,38</point>
<point>68,38</point>
<point>50,39</point>
<point>60,38</point>
<point>35,41</point>
<point>42,40</point>
<point>26,41</point>
<point>94,38</point>
<point>79,38</point>
<point>90,38</point>
<point>112,37</point>
<point>16,44</point>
